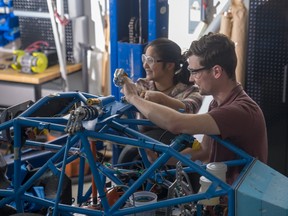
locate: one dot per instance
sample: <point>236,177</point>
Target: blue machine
<point>261,191</point>
<point>133,24</point>
<point>87,120</point>
<point>9,27</point>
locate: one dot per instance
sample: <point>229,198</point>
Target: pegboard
<point>35,5</point>
<point>267,55</point>
<point>35,25</point>
<point>40,29</point>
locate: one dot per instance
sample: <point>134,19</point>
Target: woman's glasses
<point>149,60</point>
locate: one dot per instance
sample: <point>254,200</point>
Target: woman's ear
<point>170,65</point>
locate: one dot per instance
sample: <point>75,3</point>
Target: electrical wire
<point>36,46</point>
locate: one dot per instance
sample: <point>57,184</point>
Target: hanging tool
<point>59,38</point>
<point>133,30</point>
<point>135,27</point>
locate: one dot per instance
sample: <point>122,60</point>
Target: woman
<point>167,83</point>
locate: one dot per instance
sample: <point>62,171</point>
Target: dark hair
<point>169,51</point>
<point>215,49</point>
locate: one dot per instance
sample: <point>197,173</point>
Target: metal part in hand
<point>119,75</point>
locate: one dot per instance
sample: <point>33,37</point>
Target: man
<point>232,114</point>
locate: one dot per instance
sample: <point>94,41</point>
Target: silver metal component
<point>27,61</point>
<point>179,188</point>
<point>119,75</point>
<point>83,113</point>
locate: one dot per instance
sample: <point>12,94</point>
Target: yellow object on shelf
<point>35,62</point>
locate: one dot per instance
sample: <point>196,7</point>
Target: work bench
<point>36,80</point>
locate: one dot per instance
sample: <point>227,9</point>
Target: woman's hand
<point>129,89</point>
<point>154,96</point>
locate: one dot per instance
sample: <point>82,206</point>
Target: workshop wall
<point>96,11</point>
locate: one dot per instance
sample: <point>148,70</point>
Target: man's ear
<point>218,71</point>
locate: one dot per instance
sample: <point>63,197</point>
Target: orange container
<point>72,169</point>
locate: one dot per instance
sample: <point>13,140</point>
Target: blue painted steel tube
<point>231,202</point>
<point>233,148</point>
<point>110,127</point>
<point>61,179</point>
<point>47,146</point>
<point>19,191</point>
<point>40,125</point>
<point>148,173</point>
<point>158,147</point>
<point>9,196</point>
<point>113,5</point>
<point>54,120</point>
<point>96,175</point>
<point>17,165</point>
<point>152,16</point>
<point>6,125</point>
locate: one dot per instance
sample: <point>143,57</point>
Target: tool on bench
<point>35,62</point>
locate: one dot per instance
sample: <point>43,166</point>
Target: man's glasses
<point>196,72</point>
<point>149,60</point>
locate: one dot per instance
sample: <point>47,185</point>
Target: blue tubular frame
<point>110,126</point>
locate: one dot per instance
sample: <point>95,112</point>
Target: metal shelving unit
<point>133,23</point>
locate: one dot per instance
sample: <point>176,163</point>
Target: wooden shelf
<point>53,72</point>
